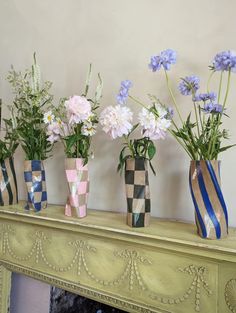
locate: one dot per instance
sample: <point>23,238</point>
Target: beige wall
<point>119,37</point>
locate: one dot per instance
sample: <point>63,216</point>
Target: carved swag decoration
<point>131,272</point>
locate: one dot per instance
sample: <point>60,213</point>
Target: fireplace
<point>164,268</point>
<point>62,301</point>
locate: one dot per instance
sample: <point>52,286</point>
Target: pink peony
<point>78,109</point>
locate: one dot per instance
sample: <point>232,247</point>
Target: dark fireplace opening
<point>62,301</point>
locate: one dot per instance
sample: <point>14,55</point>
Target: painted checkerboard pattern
<point>34,175</point>
<point>137,192</point>
<point>78,181</point>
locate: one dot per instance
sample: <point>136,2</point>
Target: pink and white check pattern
<point>78,181</point>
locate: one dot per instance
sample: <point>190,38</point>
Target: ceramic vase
<point>34,175</point>
<point>78,182</point>
<point>137,192</point>
<point>8,189</point>
<point>210,209</point>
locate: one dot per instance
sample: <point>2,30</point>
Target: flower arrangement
<point>74,121</point>
<point>153,122</point>
<point>201,136</point>
<point>9,142</point>
<point>31,98</point>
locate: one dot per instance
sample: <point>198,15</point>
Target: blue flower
<point>124,91</point>
<point>225,61</point>
<point>189,85</point>
<point>213,108</point>
<point>165,59</point>
<point>211,96</point>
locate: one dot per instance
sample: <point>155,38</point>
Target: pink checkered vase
<point>78,181</point>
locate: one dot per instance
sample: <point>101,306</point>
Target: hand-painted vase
<point>210,210</point>
<point>34,175</point>
<point>137,192</point>
<point>8,189</point>
<point>78,181</point>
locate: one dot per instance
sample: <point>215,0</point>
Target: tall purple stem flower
<point>225,61</point>
<point>165,59</point>
<point>123,92</point>
<point>189,85</point>
<point>209,96</point>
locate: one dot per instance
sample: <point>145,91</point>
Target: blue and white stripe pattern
<point>210,208</point>
<point>8,183</point>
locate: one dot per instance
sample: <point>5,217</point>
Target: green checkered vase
<point>137,192</point>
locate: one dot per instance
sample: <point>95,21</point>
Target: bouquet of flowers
<point>8,145</point>
<point>201,135</point>
<point>74,121</point>
<point>31,98</point>
<point>153,122</point>
<point>9,141</point>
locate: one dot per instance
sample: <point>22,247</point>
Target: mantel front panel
<point>151,278</point>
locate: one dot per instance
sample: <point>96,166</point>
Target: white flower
<point>78,109</point>
<point>161,111</point>
<point>152,126</point>
<point>88,129</point>
<point>147,119</point>
<point>48,117</point>
<point>116,121</point>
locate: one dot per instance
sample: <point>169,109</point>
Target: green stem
<point>209,80</point>
<point>182,145</point>
<point>227,92</point>
<point>220,116</point>
<point>172,96</point>
<point>129,146</point>
<point>137,101</point>
<point>195,109</point>
<point>220,86</point>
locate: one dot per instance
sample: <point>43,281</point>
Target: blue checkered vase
<point>34,175</point>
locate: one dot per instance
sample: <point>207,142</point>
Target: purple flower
<point>170,111</point>
<point>213,108</point>
<point>124,91</point>
<point>189,85</point>
<point>225,61</point>
<point>165,59</point>
<point>211,96</point>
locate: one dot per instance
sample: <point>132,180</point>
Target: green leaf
<point>151,150</point>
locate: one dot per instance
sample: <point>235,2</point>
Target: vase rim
<point>205,160</point>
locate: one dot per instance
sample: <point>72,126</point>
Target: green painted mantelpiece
<point>163,268</point>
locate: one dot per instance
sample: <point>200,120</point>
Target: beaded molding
<point>130,271</point>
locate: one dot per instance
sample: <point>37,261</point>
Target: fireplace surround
<point>165,268</point>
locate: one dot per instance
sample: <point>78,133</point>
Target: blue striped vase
<point>34,175</point>
<point>8,190</point>
<point>210,210</point>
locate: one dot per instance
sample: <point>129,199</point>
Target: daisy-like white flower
<point>116,120</point>
<point>88,129</point>
<point>48,117</point>
<point>53,132</point>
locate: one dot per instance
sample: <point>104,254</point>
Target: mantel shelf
<point>104,259</point>
<point>165,230</point>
